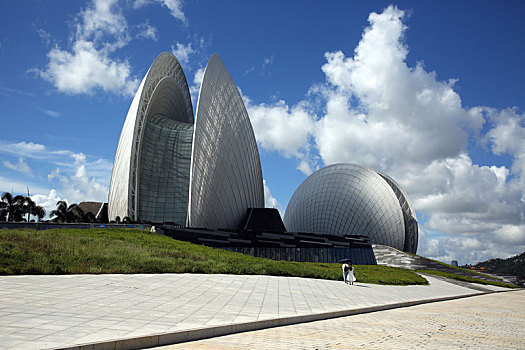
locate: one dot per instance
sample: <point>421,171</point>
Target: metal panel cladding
<point>226,176</point>
<point>409,215</point>
<point>346,199</point>
<point>171,99</point>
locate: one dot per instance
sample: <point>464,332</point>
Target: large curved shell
<point>409,214</point>
<point>226,176</point>
<point>347,199</point>
<point>123,188</point>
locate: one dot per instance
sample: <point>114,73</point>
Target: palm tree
<point>3,211</point>
<point>65,213</point>
<point>38,211</point>
<point>28,207</point>
<point>13,206</point>
<point>89,217</point>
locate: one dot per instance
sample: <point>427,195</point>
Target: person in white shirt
<point>348,273</point>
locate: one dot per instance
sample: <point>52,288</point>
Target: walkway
<point>134,311</point>
<point>494,321</point>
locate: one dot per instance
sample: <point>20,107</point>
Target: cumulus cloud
<point>376,110</point>
<point>284,129</point>
<point>182,52</point>
<point>47,201</point>
<point>20,166</point>
<point>85,69</point>
<point>75,176</point>
<point>79,186</point>
<point>100,30</point>
<point>269,200</point>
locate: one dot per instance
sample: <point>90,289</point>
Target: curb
<point>215,331</point>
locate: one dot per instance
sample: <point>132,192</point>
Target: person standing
<point>346,270</point>
<point>351,276</point>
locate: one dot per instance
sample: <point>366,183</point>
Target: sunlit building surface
<point>168,168</point>
<point>347,199</point>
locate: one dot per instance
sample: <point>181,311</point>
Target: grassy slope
<point>71,251</point>
<point>457,267</point>
<point>467,279</point>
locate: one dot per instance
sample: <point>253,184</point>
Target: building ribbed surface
<point>226,175</point>
<point>347,199</point>
<point>163,92</point>
<point>168,169</point>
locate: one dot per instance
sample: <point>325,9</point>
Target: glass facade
<point>169,169</point>
<point>164,170</point>
<point>344,199</point>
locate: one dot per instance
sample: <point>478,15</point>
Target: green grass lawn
<point>467,279</point>
<point>75,251</point>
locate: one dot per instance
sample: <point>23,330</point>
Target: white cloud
<point>195,87</point>
<point>80,186</point>
<point>182,52</point>
<point>147,31</point>
<point>377,111</point>
<point>267,62</point>
<point>48,202</point>
<point>52,114</point>
<point>283,129</point>
<point>20,166</point>
<point>100,30</point>
<point>17,185</point>
<point>76,177</point>
<point>269,200</point>
<point>175,7</point>
<point>86,69</point>
<point>25,149</point>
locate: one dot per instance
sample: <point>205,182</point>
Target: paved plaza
<point>133,311</point>
<point>491,321</point>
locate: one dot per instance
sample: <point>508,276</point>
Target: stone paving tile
<point>88,308</point>
<point>494,321</point>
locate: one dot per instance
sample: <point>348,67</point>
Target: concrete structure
<point>347,199</point>
<point>168,169</point>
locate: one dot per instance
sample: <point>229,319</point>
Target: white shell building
<point>347,199</point>
<point>169,169</point>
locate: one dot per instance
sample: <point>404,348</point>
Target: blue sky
<point>429,92</point>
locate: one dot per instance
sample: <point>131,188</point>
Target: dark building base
<point>288,246</point>
<point>358,256</point>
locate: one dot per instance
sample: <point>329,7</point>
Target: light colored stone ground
<point>493,321</point>
<point>57,311</point>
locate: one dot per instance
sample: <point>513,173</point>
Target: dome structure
<point>348,199</point>
<point>165,161</point>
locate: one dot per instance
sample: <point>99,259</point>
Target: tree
<point>13,206</point>
<point>65,213</point>
<point>3,211</point>
<point>38,211</point>
<point>28,207</point>
<point>89,217</point>
<point>117,219</point>
<point>126,220</point>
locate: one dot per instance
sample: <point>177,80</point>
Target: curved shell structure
<point>168,169</point>
<point>347,199</point>
<point>409,215</point>
<point>224,185</point>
